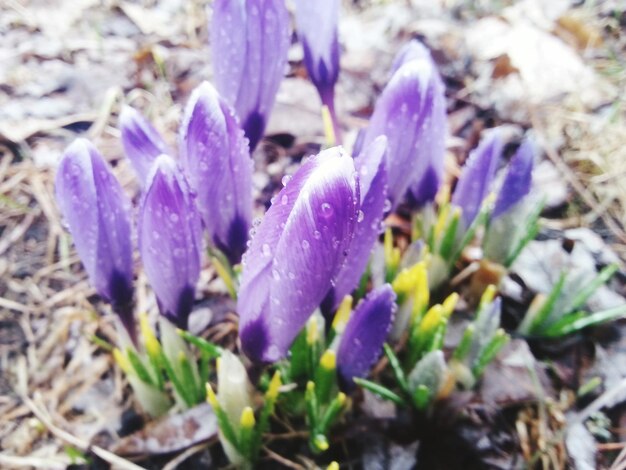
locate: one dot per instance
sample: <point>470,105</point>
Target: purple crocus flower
<point>517,181</point>
<point>317,30</point>
<point>141,141</point>
<point>250,39</point>
<point>477,176</point>
<point>372,170</point>
<point>170,239</point>
<point>411,112</point>
<point>365,333</point>
<point>96,211</point>
<point>297,251</point>
<point>215,156</point>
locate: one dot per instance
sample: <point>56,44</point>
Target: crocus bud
<point>365,333</point>
<point>477,176</point>
<point>515,212</point>
<point>372,171</point>
<point>296,253</point>
<point>234,396</point>
<point>411,112</point>
<point>170,240</point>
<point>317,30</point>
<point>517,182</point>
<point>96,211</point>
<point>250,39</point>
<point>215,156</point>
<point>141,141</point>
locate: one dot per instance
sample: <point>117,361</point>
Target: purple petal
<point>97,214</point>
<point>317,29</point>
<point>477,175</point>
<point>371,167</point>
<point>518,180</point>
<point>412,50</point>
<point>365,333</point>
<point>249,42</point>
<point>215,156</point>
<point>298,249</point>
<point>411,113</point>
<point>141,141</point>
<point>170,240</point>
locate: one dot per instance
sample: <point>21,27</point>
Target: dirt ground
<point>555,68</point>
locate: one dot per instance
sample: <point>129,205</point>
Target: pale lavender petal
<point>372,171</point>
<point>518,180</point>
<point>411,113</point>
<point>298,249</point>
<point>215,156</point>
<point>477,176</point>
<point>364,336</point>
<point>141,141</point>
<point>170,240</point>
<point>412,50</point>
<point>317,30</point>
<point>96,211</point>
<point>250,39</point>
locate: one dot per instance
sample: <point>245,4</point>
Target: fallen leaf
<point>172,433</point>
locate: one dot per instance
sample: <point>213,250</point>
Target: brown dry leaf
<point>579,28</point>
<point>172,433</point>
<point>508,379</point>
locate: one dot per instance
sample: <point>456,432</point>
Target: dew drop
<point>360,216</point>
<point>284,199</point>
<point>285,179</point>
<point>174,217</point>
<point>387,205</point>
<point>317,234</point>
<point>275,274</point>
<point>327,209</point>
<point>266,250</point>
<point>256,222</point>
<point>305,244</point>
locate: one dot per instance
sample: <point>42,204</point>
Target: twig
<point>173,464</point>
<point>279,458</point>
<point>47,463</point>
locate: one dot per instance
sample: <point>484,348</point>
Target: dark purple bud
<point>170,240</point>
<point>518,180</point>
<point>364,336</point>
<point>477,176</point>
<point>317,30</point>
<point>141,141</point>
<point>215,156</point>
<point>297,251</point>
<point>372,171</point>
<point>249,40</point>
<point>96,211</point>
<point>411,112</point>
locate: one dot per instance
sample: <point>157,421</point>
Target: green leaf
<point>480,219</point>
<point>535,324</point>
<point>465,344</point>
<point>138,366</point>
<point>601,279</point>
<point>182,391</point>
<point>421,397</point>
<point>210,349</point>
<point>489,352</point>
<point>532,222</point>
<point>381,391</point>
<point>332,412</point>
<point>583,321</point>
<point>447,242</point>
<point>397,369</point>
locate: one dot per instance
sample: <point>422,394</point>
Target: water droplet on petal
<point>266,250</point>
<point>387,205</point>
<point>276,274</point>
<point>327,209</point>
<point>305,244</point>
<point>285,179</point>
<point>360,216</point>
<point>317,234</point>
<point>284,199</point>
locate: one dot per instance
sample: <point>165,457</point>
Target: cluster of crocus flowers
<point>179,200</point>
